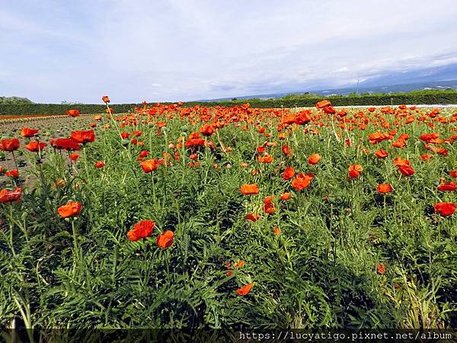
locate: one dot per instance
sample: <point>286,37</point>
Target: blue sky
<point>170,50</point>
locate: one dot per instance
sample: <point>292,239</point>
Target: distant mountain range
<point>441,77</point>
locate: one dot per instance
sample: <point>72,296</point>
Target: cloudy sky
<point>157,50</point>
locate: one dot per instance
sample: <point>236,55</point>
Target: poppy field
<point>190,217</point>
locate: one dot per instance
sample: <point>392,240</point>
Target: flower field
<point>191,217</point>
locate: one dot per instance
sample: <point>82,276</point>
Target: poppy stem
<point>333,128</point>
<point>15,162</point>
<point>11,229</point>
<point>153,190</point>
<point>75,238</point>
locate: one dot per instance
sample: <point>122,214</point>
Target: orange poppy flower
<point>381,153</point>
<point>73,113</point>
<point>9,196</point>
<point>71,209</point>
<point>302,181</point>
<point>265,159</point>
<point>276,231</point>
<point>286,196</point>
<point>377,137</point>
<point>355,170</point>
<point>426,157</point>
<point>149,166</point>
<point>384,188</point>
<point>165,239</point>
<point>398,161</point>
<point>323,103</point>
<point>105,99</point>
<point>248,189</point>
<point>400,143</point>
<point>445,208</point>
<point>314,159</point>
<point>142,229</point>
<point>239,264</point>
<point>302,117</point>
<point>244,290</point>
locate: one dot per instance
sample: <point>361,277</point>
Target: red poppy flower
<point>207,130</point>
<point>453,173</point>
<point>65,143</point>
<point>261,149</point>
<point>445,208</point>
<point>144,153</point>
<point>165,239</point>
<point>74,156</point>
<point>314,159</point>
<point>354,171</point>
<point>248,189</point>
<point>447,187</point>
<point>381,268</point>
<point>252,217</point>
<point>288,173</point>
<point>428,137</point>
<point>142,229</point>
<point>329,109</point>
<point>269,206</point>
<point>27,132</point>
<point>99,164</point>
<point>35,146</point>
<point>83,136</point>
<point>9,144</point>
<point>286,150</point>
<point>71,209</point>
<point>9,196</point>
<point>406,170</point>
<point>14,173</point>
<point>244,290</point>
<point>384,188</point>
<point>73,113</point>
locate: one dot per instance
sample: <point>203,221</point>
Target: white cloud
<point>189,49</point>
